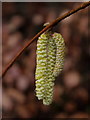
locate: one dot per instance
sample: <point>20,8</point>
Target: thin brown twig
<point>82,6</point>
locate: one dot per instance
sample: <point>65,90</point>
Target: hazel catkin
<point>41,71</point>
<point>50,61</point>
<point>51,56</point>
<point>60,53</point>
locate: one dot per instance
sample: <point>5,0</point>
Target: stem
<point>82,6</point>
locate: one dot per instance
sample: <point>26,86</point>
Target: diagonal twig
<point>82,6</point>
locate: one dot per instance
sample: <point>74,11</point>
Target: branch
<point>82,6</point>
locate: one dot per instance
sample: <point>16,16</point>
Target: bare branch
<point>82,6</point>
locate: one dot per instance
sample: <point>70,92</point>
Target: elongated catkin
<point>41,69</point>
<point>60,53</point>
<point>50,61</point>
<point>51,57</point>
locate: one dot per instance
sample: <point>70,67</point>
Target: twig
<point>82,6</point>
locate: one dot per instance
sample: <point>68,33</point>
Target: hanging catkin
<point>60,53</point>
<point>41,69</point>
<point>50,60</point>
<point>51,56</point>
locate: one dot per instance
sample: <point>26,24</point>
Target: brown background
<point>21,21</point>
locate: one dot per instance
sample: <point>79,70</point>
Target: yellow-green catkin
<point>60,53</point>
<point>41,71</point>
<point>51,56</point>
<point>50,61</point>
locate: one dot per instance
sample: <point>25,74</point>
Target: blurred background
<point>20,22</point>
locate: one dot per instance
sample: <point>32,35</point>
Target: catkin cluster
<point>50,60</point>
